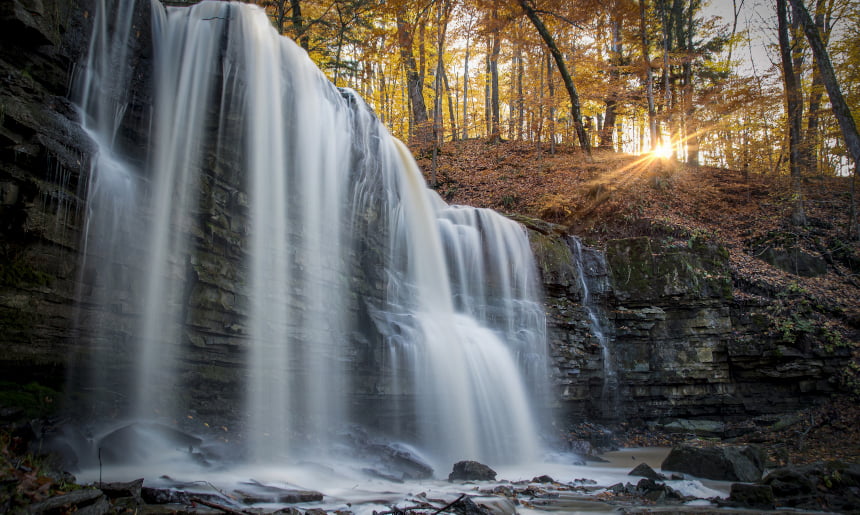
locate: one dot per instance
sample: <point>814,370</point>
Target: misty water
<point>459,320</point>
<point>455,321</point>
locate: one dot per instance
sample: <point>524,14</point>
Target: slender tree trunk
<point>823,11</point>
<point>691,138</point>
<point>488,116</point>
<point>649,75</point>
<point>539,130</point>
<point>451,114</point>
<point>840,106</point>
<point>575,111</point>
<point>414,84</point>
<point>520,98</point>
<point>422,54</point>
<point>794,112</point>
<point>298,24</point>
<point>667,71</point>
<point>495,118</point>
<point>438,129</point>
<point>466,87</point>
<point>607,132</point>
<point>551,91</point>
<point>736,11</point>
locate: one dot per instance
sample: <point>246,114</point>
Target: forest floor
<point>619,195</point>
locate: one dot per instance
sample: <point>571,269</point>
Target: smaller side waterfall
<point>587,274</point>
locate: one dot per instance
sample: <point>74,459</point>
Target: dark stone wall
<point>682,344</point>
<point>43,158</point>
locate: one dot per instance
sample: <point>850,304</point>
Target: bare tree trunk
<point>649,76</point>
<point>520,99</point>
<point>667,86</point>
<point>298,24</point>
<point>565,75</point>
<point>607,132</point>
<point>551,91</point>
<point>496,49</point>
<point>466,86</point>
<point>812,138</point>
<point>794,112</point>
<point>414,84</point>
<point>539,129</point>
<point>736,11</point>
<point>691,138</point>
<point>454,131</point>
<point>488,116</point>
<point>441,30</point>
<point>840,106</point>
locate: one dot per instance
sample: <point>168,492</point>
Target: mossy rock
<point>32,399</point>
<point>554,260</point>
<point>644,270</point>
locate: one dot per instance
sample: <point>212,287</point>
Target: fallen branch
<point>398,511</point>
<point>210,504</point>
<point>458,499</point>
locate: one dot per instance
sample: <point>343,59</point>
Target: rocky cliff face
<point>682,342</point>
<point>644,330</point>
<point>44,156</point>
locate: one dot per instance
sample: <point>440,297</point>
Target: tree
<point>575,109</point>
<point>414,82</point>
<point>443,12</point>
<point>794,111</point>
<point>495,46</point>
<point>616,60</point>
<point>298,24</point>
<point>649,73</point>
<point>840,107</point>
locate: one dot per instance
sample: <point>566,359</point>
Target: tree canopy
<point>670,76</point>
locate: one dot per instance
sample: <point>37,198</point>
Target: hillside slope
<point>619,195</point>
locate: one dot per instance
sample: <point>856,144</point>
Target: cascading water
<point>342,252</point>
<point>598,324</point>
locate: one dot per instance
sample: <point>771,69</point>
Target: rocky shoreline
<point>805,461</point>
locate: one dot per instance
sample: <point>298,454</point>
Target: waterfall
<point>355,293</point>
<point>599,328</point>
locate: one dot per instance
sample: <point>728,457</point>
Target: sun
<point>663,151</point>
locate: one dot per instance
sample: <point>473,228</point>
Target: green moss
<point>18,273</point>
<point>34,399</point>
<point>218,374</point>
<point>550,253</point>
<point>631,262</point>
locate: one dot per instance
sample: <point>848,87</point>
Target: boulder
<point>645,470</point>
<point>752,496</point>
<point>466,506</point>
<point>731,463</point>
<point>834,485</point>
<point>140,441</point>
<point>793,260</point>
<point>89,500</point>
<point>471,471</point>
<point>130,489</point>
<point>389,460</point>
<point>656,492</point>
<point>28,21</point>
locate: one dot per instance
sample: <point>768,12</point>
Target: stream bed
<point>559,484</point>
